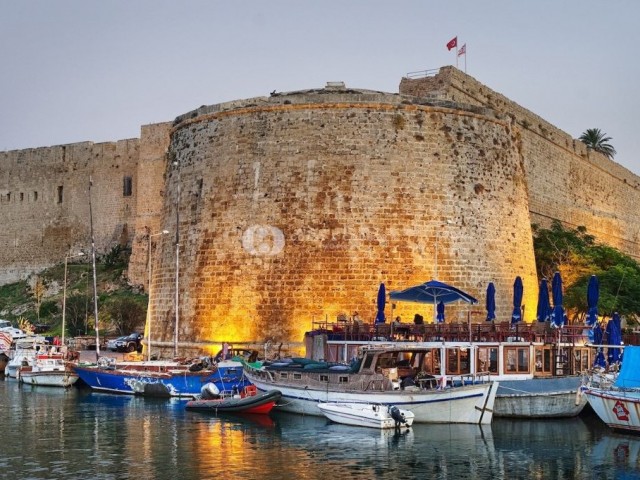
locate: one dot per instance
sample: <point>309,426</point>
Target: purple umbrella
<point>518,290</point>
<point>491,302</point>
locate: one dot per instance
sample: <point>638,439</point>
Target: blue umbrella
<point>593,293</point>
<point>543,312</point>
<point>556,290</point>
<point>518,289</point>
<point>432,292</point>
<point>614,337</point>
<point>597,340</point>
<point>440,316</point>
<point>491,302</point>
<point>382,300</point>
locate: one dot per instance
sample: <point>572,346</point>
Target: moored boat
<point>248,400</point>
<point>160,378</point>
<point>538,368</point>
<point>48,370</point>
<point>367,415</point>
<point>618,405</point>
<point>374,378</point>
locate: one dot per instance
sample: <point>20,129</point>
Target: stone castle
<point>293,208</point>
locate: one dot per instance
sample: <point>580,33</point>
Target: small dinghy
<point>247,401</point>
<point>367,415</point>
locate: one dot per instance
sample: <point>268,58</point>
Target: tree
<point>597,141</point>
<point>126,313</point>
<point>38,290</point>
<point>76,314</point>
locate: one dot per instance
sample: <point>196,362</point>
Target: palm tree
<point>598,141</point>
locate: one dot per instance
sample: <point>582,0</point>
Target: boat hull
<point>364,415</point>
<point>468,404</point>
<point>170,384</point>
<point>539,398</point>
<point>261,403</point>
<point>618,409</point>
<point>49,379</point>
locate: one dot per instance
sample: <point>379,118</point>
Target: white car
<point>15,333</point>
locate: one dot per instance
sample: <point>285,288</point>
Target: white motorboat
<point>48,369</point>
<point>24,354</point>
<point>367,415</point>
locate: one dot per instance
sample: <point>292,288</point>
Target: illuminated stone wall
<point>294,208</point>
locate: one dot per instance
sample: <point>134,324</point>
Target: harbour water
<point>49,433</point>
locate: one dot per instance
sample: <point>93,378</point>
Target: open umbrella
<point>518,289</point>
<point>614,337</point>
<point>597,340</point>
<point>381,302</point>
<point>543,312</point>
<point>432,292</point>
<point>440,315</point>
<point>557,316</point>
<point>593,292</point>
<point>491,302</point>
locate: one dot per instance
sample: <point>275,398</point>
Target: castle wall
<point>294,208</point>
<point>566,181</point>
<point>44,203</point>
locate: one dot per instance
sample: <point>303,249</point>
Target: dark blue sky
<point>90,70</point>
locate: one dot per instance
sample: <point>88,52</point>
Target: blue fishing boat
<point>161,378</point>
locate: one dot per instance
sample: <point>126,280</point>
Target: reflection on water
<point>51,433</point>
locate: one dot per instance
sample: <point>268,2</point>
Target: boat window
<point>487,359</point>
<point>543,356</point>
<point>284,375</point>
<point>516,359</point>
<point>431,361</point>
<point>296,376</point>
<point>458,361</point>
<point>581,361</point>
<point>343,379</point>
<point>368,361</point>
<point>387,360</point>
<point>324,378</point>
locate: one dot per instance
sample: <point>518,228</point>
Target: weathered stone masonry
<point>295,207</point>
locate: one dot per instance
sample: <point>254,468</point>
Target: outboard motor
<point>397,416</point>
<point>209,391</point>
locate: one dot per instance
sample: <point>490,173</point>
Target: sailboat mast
<point>95,287</point>
<point>175,333</point>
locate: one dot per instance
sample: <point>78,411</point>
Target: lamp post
<point>64,290</point>
<point>163,232</point>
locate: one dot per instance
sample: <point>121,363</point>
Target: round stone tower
<point>294,208</point>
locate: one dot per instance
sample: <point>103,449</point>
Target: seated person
<point>418,319</point>
<point>397,321</point>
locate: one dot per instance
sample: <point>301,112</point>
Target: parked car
<point>15,333</point>
<point>112,344</point>
<point>130,343</point>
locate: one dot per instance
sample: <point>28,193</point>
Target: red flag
<point>453,43</point>
<point>463,50</point>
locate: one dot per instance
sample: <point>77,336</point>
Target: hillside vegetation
<point>38,301</point>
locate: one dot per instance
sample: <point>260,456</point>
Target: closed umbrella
<point>593,293</point>
<point>491,302</point>
<point>544,308</point>
<point>381,302</point>
<point>440,315</point>
<point>557,316</point>
<point>518,289</point>
<point>614,337</point>
<point>597,340</point>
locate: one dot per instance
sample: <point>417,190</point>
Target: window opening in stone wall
<point>8,196</point>
<point>22,196</point>
<point>60,194</point>
<point>127,186</point>
<point>35,196</point>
